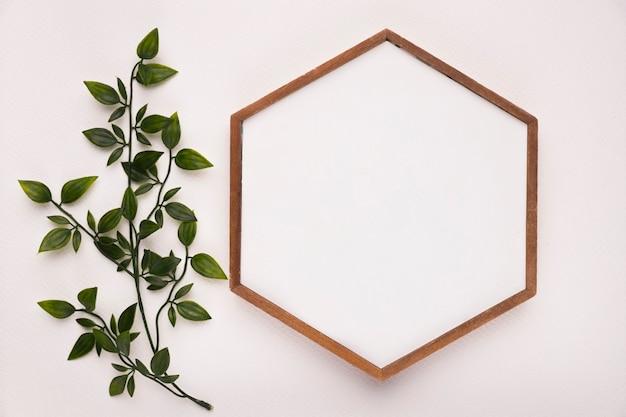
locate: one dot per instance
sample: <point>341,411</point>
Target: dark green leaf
<point>192,311</point>
<point>187,232</point>
<point>171,133</point>
<point>123,343</point>
<point>143,369</point>
<point>106,240</point>
<point>113,324</point>
<point>111,251</point>
<point>83,346</point>
<point>154,123</point>
<point>160,362</point>
<point>110,220</point>
<point>135,174</point>
<point>146,258</point>
<point>168,379</point>
<point>164,266</point>
<point>119,368</point>
<point>140,113</point>
<point>123,265</point>
<point>129,204</point>
<point>156,283</point>
<point>154,73</point>
<point>144,75</point>
<point>123,242</point>
<point>179,211</point>
<point>55,239</point>
<point>143,188</point>
<point>74,189</point>
<point>134,336</point>
<point>115,155</point>
<point>98,349</point>
<point>191,160</point>
<point>87,298</point>
<point>158,217</point>
<point>57,308</point>
<point>117,113</point>
<point>36,191</point>
<point>100,137</point>
<point>76,239</point>
<point>86,322</point>
<point>171,315</point>
<point>118,131</point>
<point>148,48</point>
<point>127,318</point>
<point>170,193</point>
<point>146,160</point>
<point>206,266</point>
<point>105,94</point>
<point>91,221</point>
<point>143,139</point>
<point>117,385</point>
<point>122,88</point>
<point>146,228</point>
<point>59,219</point>
<point>130,386</point>
<point>183,291</point>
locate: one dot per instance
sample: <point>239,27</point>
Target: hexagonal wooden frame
<point>269,307</point>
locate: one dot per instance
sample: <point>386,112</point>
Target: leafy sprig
<point>121,233</point>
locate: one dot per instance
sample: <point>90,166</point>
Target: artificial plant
<point>121,233</point>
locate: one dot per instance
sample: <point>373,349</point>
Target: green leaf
<point>164,266</point>
<point>143,188</point>
<point>156,283</point>
<point>187,232</point>
<point>117,385</point>
<point>100,137</point>
<point>171,315</point>
<point>146,228</point>
<point>74,189</point>
<point>206,266</point>
<point>118,131</point>
<point>117,113</point>
<point>111,250</point>
<point>192,311</point>
<point>87,298</point>
<point>36,191</point>
<point>144,75</point>
<point>170,193</point>
<point>143,139</point>
<point>119,368</point>
<point>154,73</point>
<point>55,239</point>
<point>110,220</point>
<point>104,341</point>
<point>57,308</point>
<point>148,48</point>
<point>113,324</point>
<point>143,369</point>
<point>179,211</point>
<point>91,221</point>
<point>191,160</point>
<point>59,219</point>
<point>160,362</point>
<point>134,335</point>
<point>127,318</point>
<point>130,386</point>
<point>123,242</point>
<point>135,174</point>
<point>168,379</point>
<point>115,155</point>
<point>183,291</point>
<point>76,239</point>
<point>83,346</point>
<point>129,204</point>
<point>158,217</point>
<point>86,322</point>
<point>105,94</point>
<point>123,343</point>
<point>123,265</point>
<point>122,88</point>
<point>146,160</point>
<point>140,113</point>
<point>154,123</point>
<point>171,133</point>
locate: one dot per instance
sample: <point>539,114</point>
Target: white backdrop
<point>563,353</point>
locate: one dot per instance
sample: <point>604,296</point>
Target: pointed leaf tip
<point>148,48</point>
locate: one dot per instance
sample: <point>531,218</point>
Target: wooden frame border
<point>236,123</point>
